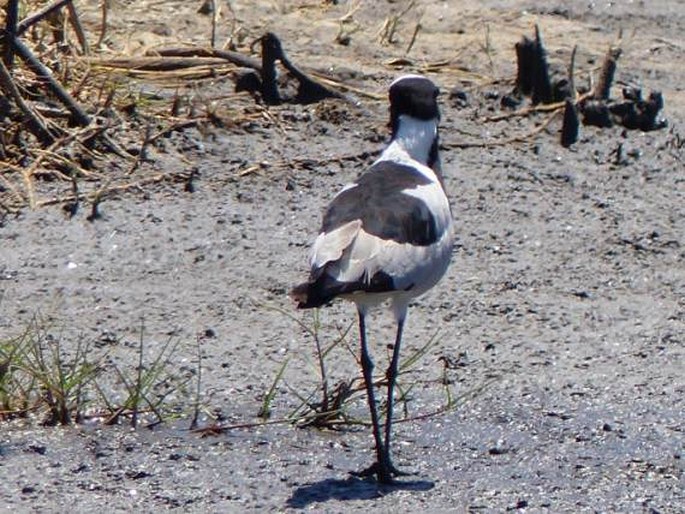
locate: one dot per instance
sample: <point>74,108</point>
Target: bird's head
<point>414,96</point>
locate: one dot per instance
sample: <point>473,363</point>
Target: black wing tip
<point>323,290</point>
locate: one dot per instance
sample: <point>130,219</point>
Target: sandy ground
<point>563,311</point>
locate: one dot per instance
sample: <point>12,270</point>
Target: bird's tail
<point>308,295</point>
<point>323,289</point>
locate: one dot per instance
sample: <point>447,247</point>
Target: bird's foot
<point>385,474</point>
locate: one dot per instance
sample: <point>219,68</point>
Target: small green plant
<point>265,410</point>
<point>37,373</point>
<point>147,390</point>
<point>330,409</point>
<point>14,399</point>
<point>327,406</point>
<point>62,381</point>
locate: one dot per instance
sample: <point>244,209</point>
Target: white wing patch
<point>329,247</point>
<point>361,260</point>
<point>416,267</point>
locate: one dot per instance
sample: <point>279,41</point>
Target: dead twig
<point>526,111</point>
<point>103,22</point>
<point>78,28</point>
<point>234,57</point>
<point>602,88</point>
<point>506,141</point>
<point>328,81</point>
<point>11,18</point>
<point>78,114</point>
<point>174,127</point>
<point>142,153</point>
<point>308,91</point>
<point>108,190</point>
<point>39,15</point>
<point>414,35</point>
<point>387,31</point>
<point>215,20</point>
<point>10,186</point>
<point>27,172</point>
<point>32,120</point>
<point>158,64</point>
<point>571,123</point>
<point>309,163</point>
<point>572,74</point>
<point>542,87</point>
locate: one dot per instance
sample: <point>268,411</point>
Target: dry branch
<point>573,92</point>
<point>235,57</point>
<point>103,23</point>
<point>526,111</point>
<point>158,64</point>
<point>542,87</point>
<point>10,187</point>
<point>308,91</point>
<point>11,18</point>
<point>509,140</point>
<point>107,191</point>
<point>78,114</point>
<point>43,13</point>
<point>606,77</point>
<point>78,28</point>
<point>346,87</point>
<point>570,125</point>
<point>33,121</point>
<point>175,59</point>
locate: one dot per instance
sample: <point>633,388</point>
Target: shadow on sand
<point>352,488</point>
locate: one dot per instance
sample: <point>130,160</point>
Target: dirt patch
<point>562,311</point>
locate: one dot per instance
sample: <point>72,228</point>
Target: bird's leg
<point>391,376</point>
<point>380,468</point>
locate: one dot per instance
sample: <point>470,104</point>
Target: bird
<point>387,237</point>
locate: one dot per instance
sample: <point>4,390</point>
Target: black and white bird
<point>387,236</point>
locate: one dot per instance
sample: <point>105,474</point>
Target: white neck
<point>414,138</point>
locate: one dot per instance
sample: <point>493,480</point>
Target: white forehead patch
<point>409,76</point>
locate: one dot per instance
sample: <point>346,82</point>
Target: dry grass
<point>127,116</point>
<point>127,113</point>
<point>118,64</point>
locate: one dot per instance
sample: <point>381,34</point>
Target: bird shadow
<point>351,488</point>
